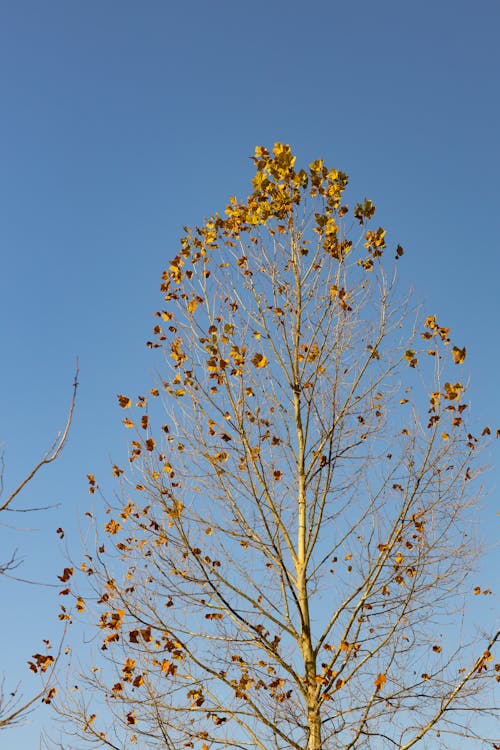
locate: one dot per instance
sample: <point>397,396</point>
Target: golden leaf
<point>259,360</point>
<point>192,304</point>
<point>453,392</point>
<point>124,401</point>
<point>458,355</point>
<point>112,527</point>
<point>380,682</point>
<point>411,358</point>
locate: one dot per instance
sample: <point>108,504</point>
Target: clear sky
<point>122,121</point>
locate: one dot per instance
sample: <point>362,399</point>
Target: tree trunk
<point>314,722</point>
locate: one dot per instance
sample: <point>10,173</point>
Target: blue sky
<point>123,121</point>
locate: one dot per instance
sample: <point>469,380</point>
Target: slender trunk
<point>308,655</point>
<point>306,647</point>
<point>314,722</point>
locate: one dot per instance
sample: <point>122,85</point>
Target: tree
<point>288,560</point>
<point>13,707</point>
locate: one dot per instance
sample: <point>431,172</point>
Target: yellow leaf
<point>192,305</point>
<point>445,436</point>
<point>458,355</point>
<point>453,392</point>
<point>259,360</point>
<point>128,423</point>
<point>124,401</point>
<point>410,357</point>
<point>112,527</point>
<point>380,682</point>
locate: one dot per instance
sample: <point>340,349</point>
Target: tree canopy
<point>291,546</point>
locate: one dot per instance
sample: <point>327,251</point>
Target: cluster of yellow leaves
<point>452,392</point>
<point>435,330</point>
<point>277,188</point>
<point>112,527</point>
<point>375,242</point>
<point>363,212</point>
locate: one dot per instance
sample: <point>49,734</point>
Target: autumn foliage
<point>293,539</point>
